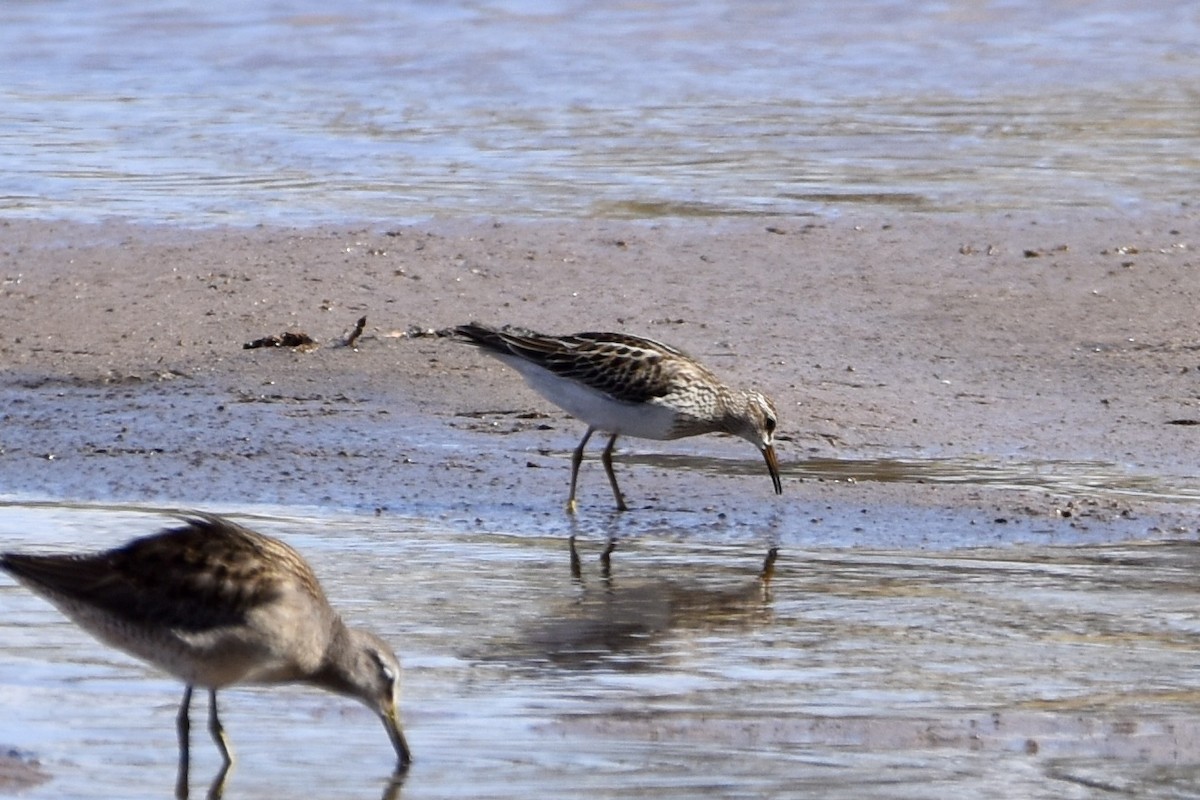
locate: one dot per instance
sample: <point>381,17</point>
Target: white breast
<point>642,420</point>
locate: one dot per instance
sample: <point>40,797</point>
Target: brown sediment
<point>907,335</point>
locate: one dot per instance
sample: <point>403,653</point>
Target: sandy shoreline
<point>880,337</point>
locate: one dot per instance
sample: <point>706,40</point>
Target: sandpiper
<point>215,604</point>
<point>627,385</point>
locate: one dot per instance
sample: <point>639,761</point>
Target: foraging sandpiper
<point>630,386</point>
<point>216,604</point>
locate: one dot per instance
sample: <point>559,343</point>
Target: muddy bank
<point>907,338</point>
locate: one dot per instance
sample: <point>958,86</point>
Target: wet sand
<point>884,339</point>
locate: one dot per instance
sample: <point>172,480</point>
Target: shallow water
<point>292,113</point>
<point>1065,476</point>
<point>1034,672</point>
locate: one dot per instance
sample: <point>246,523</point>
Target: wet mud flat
<point>878,335</point>
<point>1037,371</point>
<point>179,444</point>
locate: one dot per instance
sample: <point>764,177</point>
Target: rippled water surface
<point>1039,672</point>
<point>300,112</point>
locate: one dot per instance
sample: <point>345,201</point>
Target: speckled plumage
<point>628,385</point>
<point>214,604</point>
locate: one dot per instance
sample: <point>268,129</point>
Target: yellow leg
<point>217,730</point>
<point>576,460</point>
<point>606,457</point>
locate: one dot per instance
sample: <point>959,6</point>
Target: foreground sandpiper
<point>627,385</point>
<point>216,604</point>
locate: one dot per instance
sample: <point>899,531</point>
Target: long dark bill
<point>391,721</point>
<point>773,466</point>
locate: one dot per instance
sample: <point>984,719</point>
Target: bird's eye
<point>770,425</point>
<point>385,669</point>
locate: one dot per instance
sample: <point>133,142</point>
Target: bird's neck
<point>734,406</point>
<point>334,672</point>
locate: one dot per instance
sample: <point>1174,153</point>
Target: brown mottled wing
<point>627,368</point>
<point>206,574</point>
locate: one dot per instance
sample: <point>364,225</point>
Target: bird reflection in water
<point>216,790</point>
<point>626,617</point>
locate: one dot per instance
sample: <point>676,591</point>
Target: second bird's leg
<point>606,457</point>
<point>182,727</point>
<point>217,730</point>
<point>576,460</point>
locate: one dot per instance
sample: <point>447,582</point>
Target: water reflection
<point>391,787</point>
<point>615,622</point>
<point>216,789</point>
<point>667,109</point>
<point>860,673</point>
<point>19,771</point>
<point>1066,476</point>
